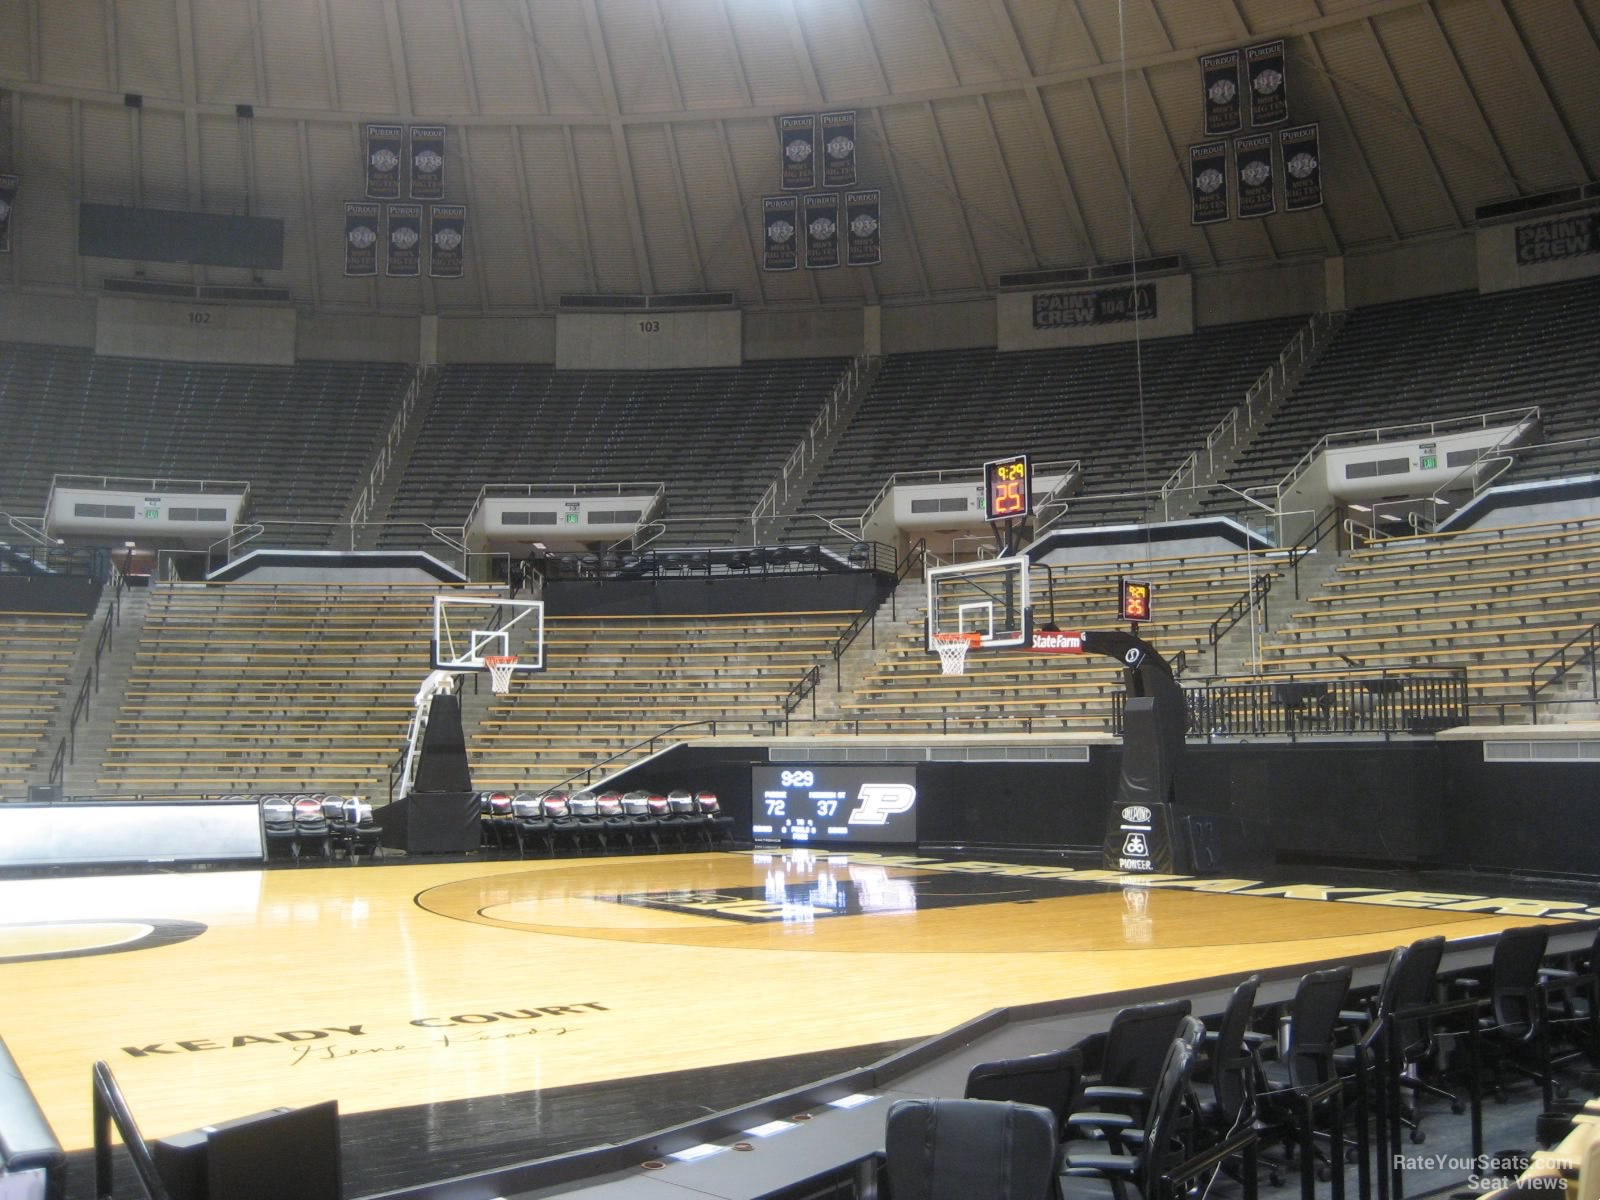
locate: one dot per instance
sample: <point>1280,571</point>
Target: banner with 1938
<point>1208,183</point>
<point>780,229</point>
<point>361,224</point>
<point>1302,168</point>
<point>427,162</point>
<point>447,238</point>
<point>822,231</point>
<point>863,228</point>
<point>385,146</point>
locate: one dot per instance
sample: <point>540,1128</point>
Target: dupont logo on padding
<point>880,801</point>
<point>1136,814</point>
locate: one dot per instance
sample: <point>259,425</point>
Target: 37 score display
<point>833,803</point>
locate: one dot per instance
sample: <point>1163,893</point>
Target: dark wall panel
<point>1528,817</point>
<point>167,235</point>
<point>788,592</point>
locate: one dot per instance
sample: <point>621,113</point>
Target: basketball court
<point>412,987</point>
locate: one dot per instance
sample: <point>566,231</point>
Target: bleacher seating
<point>1438,358</point>
<point>301,436</point>
<point>1010,690</point>
<point>244,687</point>
<point>612,681</point>
<point>1495,601</point>
<point>716,437</point>
<point>956,408</point>
<point>36,652</point>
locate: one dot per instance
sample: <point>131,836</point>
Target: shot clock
<point>1133,600</point>
<point>1007,488</point>
<point>830,802</point>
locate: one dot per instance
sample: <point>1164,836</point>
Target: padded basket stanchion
<point>952,648</point>
<point>500,668</point>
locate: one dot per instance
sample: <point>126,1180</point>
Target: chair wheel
<point>1457,1107</point>
<point>1418,1137</point>
<point>1562,1091</point>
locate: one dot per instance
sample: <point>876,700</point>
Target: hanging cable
<point>1133,266</point>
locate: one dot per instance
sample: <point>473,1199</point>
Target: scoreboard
<point>833,802</point>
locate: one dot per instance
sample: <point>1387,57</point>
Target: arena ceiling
<point>625,145</point>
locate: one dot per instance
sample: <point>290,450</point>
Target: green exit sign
<point>1430,462</point>
<point>572,518</point>
<point>152,514</point>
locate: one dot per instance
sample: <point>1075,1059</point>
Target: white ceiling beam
<point>740,210</point>
<point>525,15</point>
<point>738,58</point>
<point>308,221</point>
<point>680,193</point>
<point>530,225</point>
<point>1011,189</point>
<point>330,64</point>
<point>1410,115</point>
<point>1581,164</point>
<point>1504,163</point>
<point>619,143</point>
<point>660,26</point>
<point>872,44</point>
<point>1342,112</point>
<point>578,209</point>
<point>467,64</point>
<point>790,15</point>
<point>948,171</point>
<point>899,199</point>
<point>397,59</point>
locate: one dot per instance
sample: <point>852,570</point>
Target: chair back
<point>1418,980</point>
<point>1136,1046</point>
<point>1050,1080</point>
<point>964,1149</point>
<point>1163,1147</point>
<point>1514,978</point>
<point>680,802</point>
<point>1231,1061</point>
<point>1313,1018</point>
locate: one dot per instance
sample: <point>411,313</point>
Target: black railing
<point>67,747</point>
<point>110,1109</point>
<point>1564,665</point>
<point>1326,524</point>
<point>587,773</point>
<point>1421,700</point>
<point>867,618</point>
<point>1253,597</point>
<point>805,686</point>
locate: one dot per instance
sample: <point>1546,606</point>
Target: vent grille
<point>582,301</point>
<point>953,753</point>
<point>1543,751</point>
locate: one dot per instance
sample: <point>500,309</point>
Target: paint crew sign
<point>1558,238</point>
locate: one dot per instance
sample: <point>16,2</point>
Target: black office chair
<point>1050,1080</point>
<point>1154,1148</point>
<point>1513,1032</point>
<point>1413,1037</point>
<point>1225,1075</point>
<point>1303,1058</point>
<point>970,1150</point>
<point>1135,1049</point>
<point>1572,1003</point>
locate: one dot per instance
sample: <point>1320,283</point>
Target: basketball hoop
<point>952,648</point>
<point>500,668</point>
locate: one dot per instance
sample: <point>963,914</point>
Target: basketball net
<point>500,668</point>
<point>952,648</point>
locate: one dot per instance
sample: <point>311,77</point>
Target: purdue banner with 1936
<point>838,149</point>
<point>384,157</point>
<point>780,225</point>
<point>822,231</point>
<point>8,202</point>
<point>1220,78</point>
<point>863,228</point>
<point>797,145</point>
<point>1269,85</point>
<point>1208,183</point>
<point>405,241</point>
<point>1252,164</point>
<point>1302,168</point>
<point>427,162</point>
<point>361,223</point>
<point>447,239</point>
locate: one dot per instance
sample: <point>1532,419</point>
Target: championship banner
<point>797,141</point>
<point>8,200</point>
<point>838,149</point>
<point>1269,85</point>
<point>1302,168</point>
<point>780,221</point>
<point>863,228</point>
<point>822,231</point>
<point>1252,165</point>
<point>385,145</point>
<point>427,162</point>
<point>405,241</point>
<point>1101,306</point>
<point>361,221</point>
<point>1220,73</point>
<point>1208,183</point>
<point>447,236</point>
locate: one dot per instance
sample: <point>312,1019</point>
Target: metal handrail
<point>33,532</point>
<point>379,470</point>
<point>1309,541</point>
<point>1589,635</point>
<point>805,452</point>
<point>110,1109</point>
<point>650,741</point>
<point>1253,597</point>
<point>67,747</point>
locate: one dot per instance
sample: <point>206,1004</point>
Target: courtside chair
<point>533,827</point>
<point>311,826</point>
<point>277,819</point>
<point>1134,1051</point>
<point>944,1149</point>
<point>721,823</point>
<point>1302,1058</point>
<point>1050,1080</point>
<point>1514,1033</point>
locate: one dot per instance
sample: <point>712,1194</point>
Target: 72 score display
<point>834,804</point>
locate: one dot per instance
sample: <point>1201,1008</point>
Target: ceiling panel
<point>667,239</point>
<point>72,41</point>
<point>1164,194</point>
<point>502,56</point>
<point>222,182</point>
<point>1095,171</point>
<point>1569,63</point>
<point>224,51</point>
<point>361,57</point>
<point>147,32</point>
<point>771,66</point>
<point>753,145</point>
<point>979,38</point>
<point>984,188</point>
<point>840,43</point>
<point>716,209</point>
<point>436,67</point>
<point>704,57</point>
<point>499,224</point>
<point>571,77</point>
<point>1356,204</point>
<point>926,192</point>
<point>1053,35</point>
<point>163,174</point>
<point>281,191</point>
<point>335,155</point>
<point>1127,26</point>
<point>44,235</point>
<point>610,234</point>
<point>1052,219</point>
<point>557,230</point>
<point>910,45</point>
<point>292,48</point>
<point>107,154</point>
<point>639,68</point>
<point>14,40</point>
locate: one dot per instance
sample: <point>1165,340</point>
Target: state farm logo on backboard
<point>1058,642</point>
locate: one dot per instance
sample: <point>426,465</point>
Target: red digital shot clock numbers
<point>1007,488</point>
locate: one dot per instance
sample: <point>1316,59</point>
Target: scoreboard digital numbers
<point>1133,602</point>
<point>830,802</point>
<point>1007,488</point>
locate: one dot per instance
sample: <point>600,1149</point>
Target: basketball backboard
<point>467,629</point>
<point>990,598</point>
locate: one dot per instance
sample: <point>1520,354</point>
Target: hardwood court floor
<point>215,994</point>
